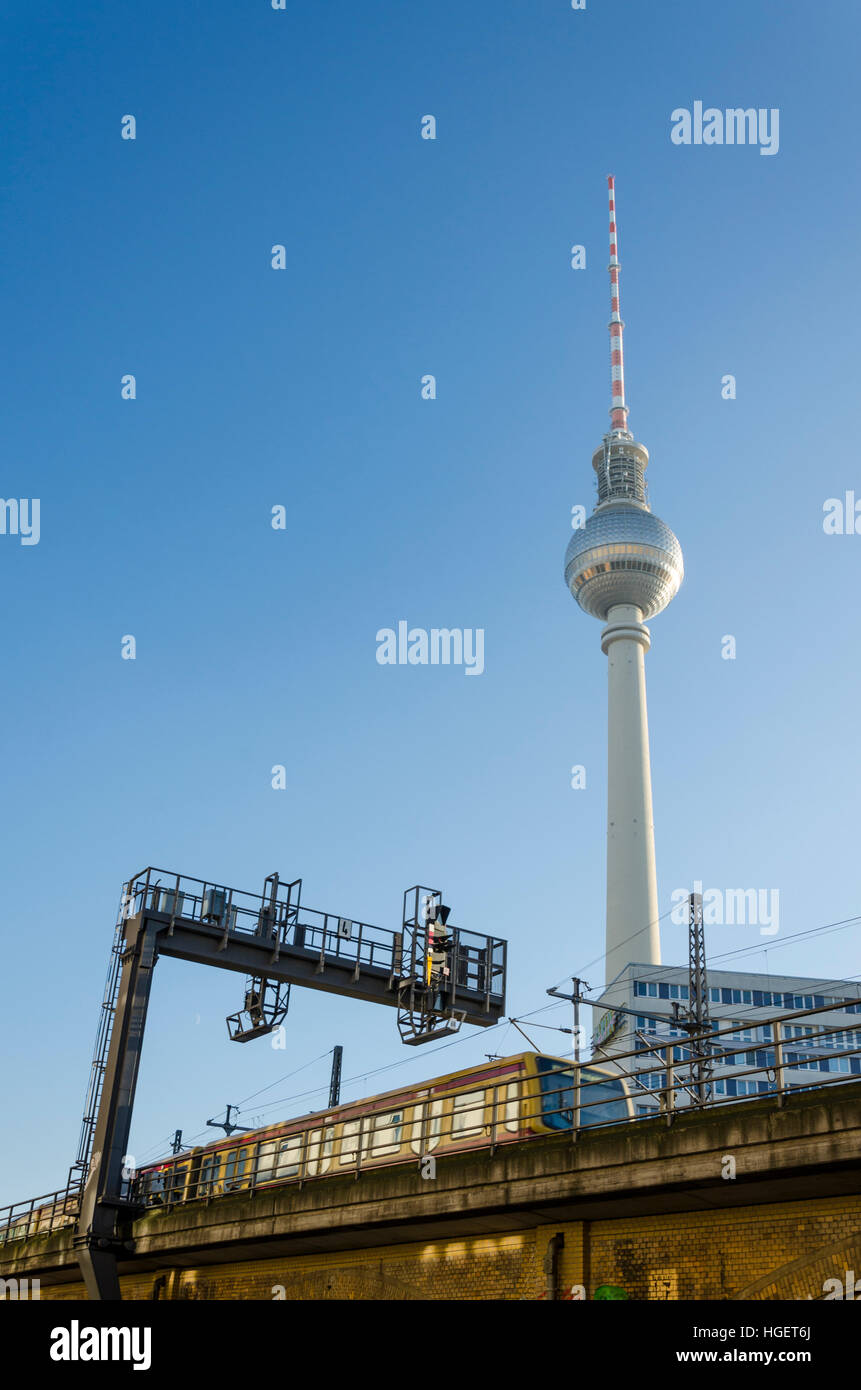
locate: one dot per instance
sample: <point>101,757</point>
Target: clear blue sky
<point>256,387</point>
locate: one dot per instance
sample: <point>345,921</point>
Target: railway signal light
<point>440,942</point>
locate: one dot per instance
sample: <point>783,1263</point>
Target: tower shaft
<point>632,888</point>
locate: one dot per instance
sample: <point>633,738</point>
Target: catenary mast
<point>624,566</point>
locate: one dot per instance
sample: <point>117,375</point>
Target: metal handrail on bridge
<point>787,1055</point>
<point>575,1102</point>
<point>51,1212</point>
<point>508,1115</point>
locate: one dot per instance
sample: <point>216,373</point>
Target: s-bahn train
<point>504,1101</point>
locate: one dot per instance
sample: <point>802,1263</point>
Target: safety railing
<point>40,1215</point>
<point>279,917</point>
<point>770,1064</point>
<point>564,1100</point>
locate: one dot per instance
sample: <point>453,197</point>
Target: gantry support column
<point>97,1238</point>
<point>632,889</point>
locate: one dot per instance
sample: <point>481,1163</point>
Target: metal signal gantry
<point>275,943</point>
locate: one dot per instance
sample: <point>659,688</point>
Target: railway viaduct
<point>747,1201</point>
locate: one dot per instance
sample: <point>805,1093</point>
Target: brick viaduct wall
<point>644,1207</point>
<point>765,1252</point>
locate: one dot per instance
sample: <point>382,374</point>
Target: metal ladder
<point>107,1010</point>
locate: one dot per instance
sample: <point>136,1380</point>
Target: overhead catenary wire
<point>375,1071</point>
<point>812,986</point>
<point>654,971</point>
<point>304,1067</point>
<point>200,1133</point>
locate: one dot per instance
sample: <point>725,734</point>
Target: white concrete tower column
<point>632,887</point>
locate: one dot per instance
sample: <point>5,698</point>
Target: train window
<point>503,1104</point>
<point>208,1174</point>
<point>349,1141</point>
<point>176,1182</point>
<point>320,1151</point>
<point>266,1161</point>
<point>416,1113</point>
<point>426,1126</point>
<point>557,1094</point>
<point>467,1114</point>
<point>289,1156</point>
<point>511,1108</point>
<point>234,1168</point>
<point>386,1137</point>
<point>603,1098</point>
<point>155,1186</point>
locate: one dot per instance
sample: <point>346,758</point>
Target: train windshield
<point>603,1099</point>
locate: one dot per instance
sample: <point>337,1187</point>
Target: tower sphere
<point>624,554</point>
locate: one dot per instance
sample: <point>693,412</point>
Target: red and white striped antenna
<point>618,410</point>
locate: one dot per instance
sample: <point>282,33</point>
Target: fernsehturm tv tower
<point>623,566</point>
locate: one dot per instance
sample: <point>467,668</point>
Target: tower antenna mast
<point>618,408</point>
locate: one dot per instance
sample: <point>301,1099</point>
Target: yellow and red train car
<point>504,1101</point>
